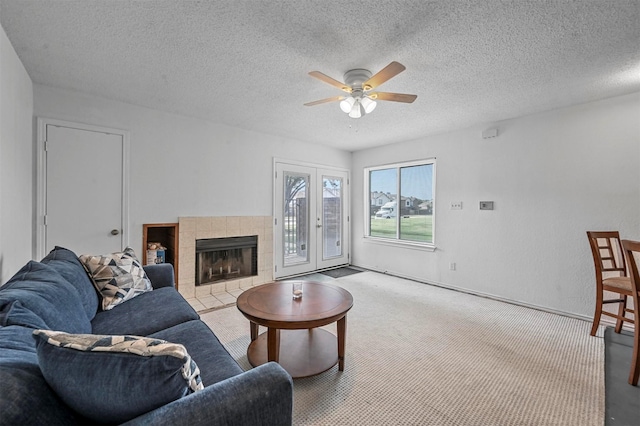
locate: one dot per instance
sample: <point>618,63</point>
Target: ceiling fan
<point>359,85</point>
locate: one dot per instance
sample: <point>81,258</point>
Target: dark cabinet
<point>167,235</point>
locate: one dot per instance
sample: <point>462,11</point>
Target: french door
<point>311,218</point>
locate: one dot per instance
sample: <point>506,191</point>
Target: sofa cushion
<point>25,397</point>
<point>48,296</point>
<point>68,265</point>
<point>12,312</point>
<point>112,379</point>
<point>216,364</point>
<point>146,314</point>
<point>119,277</point>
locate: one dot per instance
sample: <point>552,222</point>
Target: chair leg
<point>634,374</point>
<point>622,307</point>
<point>598,314</point>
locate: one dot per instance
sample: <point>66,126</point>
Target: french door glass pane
<point>331,216</point>
<point>296,218</point>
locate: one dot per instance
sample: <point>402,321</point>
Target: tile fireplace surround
<point>195,228</point>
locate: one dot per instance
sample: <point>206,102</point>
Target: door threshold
<point>317,271</point>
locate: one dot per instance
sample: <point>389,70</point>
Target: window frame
<point>367,204</point>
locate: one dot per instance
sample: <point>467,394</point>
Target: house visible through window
<point>401,202</point>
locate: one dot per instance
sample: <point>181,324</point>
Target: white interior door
<point>311,219</point>
<point>83,189</point>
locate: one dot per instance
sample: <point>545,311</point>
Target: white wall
<point>16,161</point>
<point>552,177</point>
<point>182,166</point>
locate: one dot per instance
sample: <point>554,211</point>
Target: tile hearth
<point>225,299</point>
<point>215,301</point>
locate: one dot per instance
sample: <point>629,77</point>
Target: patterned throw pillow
<point>112,379</point>
<point>117,276</point>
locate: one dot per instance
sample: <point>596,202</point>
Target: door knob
<point>115,232</point>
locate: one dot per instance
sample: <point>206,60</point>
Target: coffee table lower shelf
<point>303,353</point>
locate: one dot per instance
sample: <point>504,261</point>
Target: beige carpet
<point>422,355</point>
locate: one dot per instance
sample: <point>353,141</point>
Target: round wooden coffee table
<point>293,338</point>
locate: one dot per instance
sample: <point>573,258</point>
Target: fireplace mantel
<point>195,228</point>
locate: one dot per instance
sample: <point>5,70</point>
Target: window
<point>406,215</point>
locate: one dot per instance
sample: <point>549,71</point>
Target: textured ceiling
<point>245,63</point>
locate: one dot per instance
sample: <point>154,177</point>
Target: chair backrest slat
<point>607,252</point>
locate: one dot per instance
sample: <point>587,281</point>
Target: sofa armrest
<point>160,275</point>
<point>260,396</point>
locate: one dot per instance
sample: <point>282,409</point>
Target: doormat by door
<point>340,272</point>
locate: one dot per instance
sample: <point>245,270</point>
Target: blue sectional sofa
<point>57,294</point>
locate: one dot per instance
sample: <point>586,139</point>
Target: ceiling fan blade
<point>395,97</point>
<point>322,101</point>
<point>331,81</point>
<point>390,71</point>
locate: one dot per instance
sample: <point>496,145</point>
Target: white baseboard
<point>482,294</point>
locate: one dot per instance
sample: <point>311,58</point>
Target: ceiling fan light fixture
<point>368,104</point>
<point>347,104</point>
<point>358,84</point>
<point>357,110</point>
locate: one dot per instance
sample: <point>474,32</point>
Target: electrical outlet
<point>456,205</point>
<point>452,266</point>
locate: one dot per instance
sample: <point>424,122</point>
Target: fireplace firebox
<point>220,259</point>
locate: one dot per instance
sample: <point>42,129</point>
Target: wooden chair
<point>632,252</point>
<point>611,275</point>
